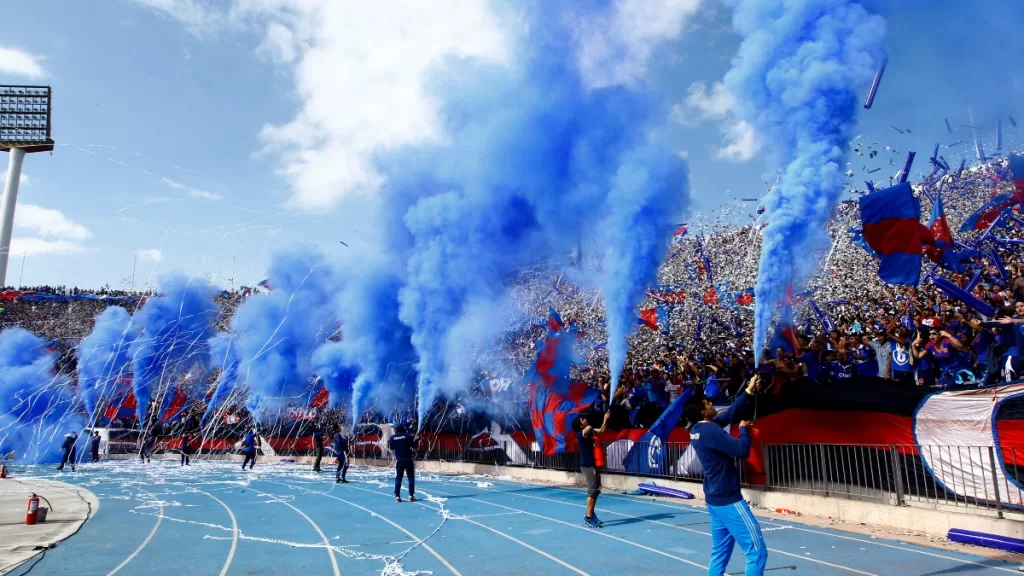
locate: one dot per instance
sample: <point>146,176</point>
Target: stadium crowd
<point>696,324</point>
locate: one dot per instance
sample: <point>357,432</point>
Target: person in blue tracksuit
<point>403,445</point>
<point>717,450</point>
<point>341,451</point>
<point>249,448</point>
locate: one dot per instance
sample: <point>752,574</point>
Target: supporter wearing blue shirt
<point>403,445</point>
<point>864,360</point>
<point>717,450</point>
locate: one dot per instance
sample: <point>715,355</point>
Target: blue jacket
<point>249,442</point>
<point>402,445</point>
<point>340,444</point>
<point>717,450</point>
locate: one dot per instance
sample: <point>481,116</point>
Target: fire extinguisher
<point>33,510</point>
<point>3,470</point>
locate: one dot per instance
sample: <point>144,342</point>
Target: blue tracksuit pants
<point>734,524</point>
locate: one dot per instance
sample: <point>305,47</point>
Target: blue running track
<point>211,518</point>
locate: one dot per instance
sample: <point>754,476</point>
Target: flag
<point>123,403</point>
<point>554,320</point>
<point>891,219</point>
<point>648,455</point>
<point>939,228</point>
<point>555,400</point>
<point>746,297</point>
<point>655,318</point>
<point>785,334</point>
<point>1016,165</point>
<point>173,406</point>
<point>264,284</point>
<point>984,217</point>
<point>711,297</point>
<point>823,318</point>
<point>681,231</point>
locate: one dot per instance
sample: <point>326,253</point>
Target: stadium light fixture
<point>24,127</point>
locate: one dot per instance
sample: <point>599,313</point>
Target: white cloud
<point>150,255</point>
<point>615,46</point>
<point>359,70</point>
<point>198,16</point>
<point>193,192</point>
<point>20,63</point>
<point>701,104</point>
<point>683,154</point>
<point>742,142</point>
<point>41,230</point>
<point>25,178</point>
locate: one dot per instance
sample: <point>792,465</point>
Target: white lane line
<point>499,533</point>
<point>234,532</point>
<point>486,515</point>
<point>525,545</point>
<point>685,529</point>
<point>327,543</point>
<point>597,532</point>
<point>794,526</point>
<point>159,519</point>
<point>418,540</point>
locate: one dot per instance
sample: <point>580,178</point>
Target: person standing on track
<point>94,444</point>
<point>403,445</point>
<point>249,448</point>
<point>68,449</point>
<point>147,449</point>
<point>341,451</point>
<point>717,450</point>
<point>318,447</point>
<point>186,449</point>
<point>585,438</point>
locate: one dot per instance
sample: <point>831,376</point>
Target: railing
<point>978,479</point>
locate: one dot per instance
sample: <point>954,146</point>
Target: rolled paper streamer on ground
<point>954,291</point>
<point>986,540</point>
<point>653,488</point>
<point>874,84</point>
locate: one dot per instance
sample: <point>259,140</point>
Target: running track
<point>160,519</point>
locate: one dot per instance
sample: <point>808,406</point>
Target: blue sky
<point>200,136</point>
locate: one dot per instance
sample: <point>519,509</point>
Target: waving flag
<point>785,334</point>
<point>1016,165</point>
<point>555,400</point>
<point>939,228</point>
<point>649,454</point>
<point>123,403</point>
<point>173,406</point>
<point>990,211</point>
<point>654,318</point>
<point>554,320</point>
<point>681,231</point>
<point>711,296</point>
<point>891,220</point>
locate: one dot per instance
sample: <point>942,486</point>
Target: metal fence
<point>981,479</point>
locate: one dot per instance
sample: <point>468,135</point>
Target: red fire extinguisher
<point>3,470</point>
<point>33,510</point>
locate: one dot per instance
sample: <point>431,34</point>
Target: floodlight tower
<point>24,127</point>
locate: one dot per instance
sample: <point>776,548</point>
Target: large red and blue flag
<point>173,406</point>
<point>122,404</point>
<point>891,220</point>
<point>655,318</point>
<point>555,400</point>
<point>989,212</point>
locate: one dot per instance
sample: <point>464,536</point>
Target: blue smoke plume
<point>795,80</point>
<point>176,327</point>
<point>103,355</point>
<point>273,335</point>
<point>531,162</point>
<point>35,405</point>
<point>375,355</point>
<point>648,193</point>
<point>222,356</point>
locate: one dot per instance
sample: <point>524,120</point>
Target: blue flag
<point>649,455</point>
